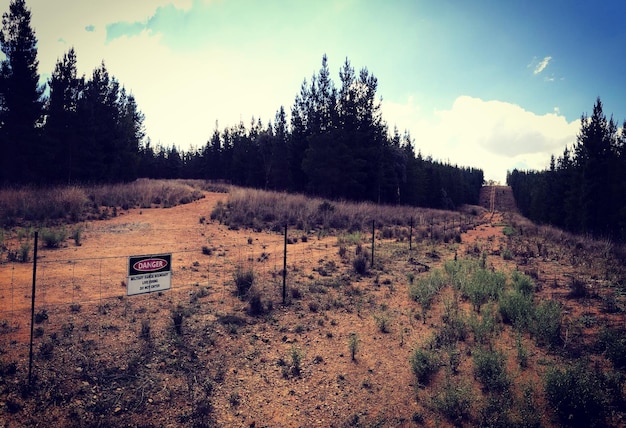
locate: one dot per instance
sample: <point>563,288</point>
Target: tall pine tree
<point>62,119</point>
<point>21,98</point>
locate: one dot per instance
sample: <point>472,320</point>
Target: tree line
<point>583,190</point>
<point>334,143</point>
<point>79,130</point>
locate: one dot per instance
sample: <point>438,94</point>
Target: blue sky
<point>491,84</point>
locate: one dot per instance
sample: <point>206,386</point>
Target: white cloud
<point>61,24</point>
<point>542,65</point>
<point>495,136</point>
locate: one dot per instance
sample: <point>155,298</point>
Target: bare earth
<point>249,361</point>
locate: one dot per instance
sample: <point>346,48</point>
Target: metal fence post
<point>32,311</point>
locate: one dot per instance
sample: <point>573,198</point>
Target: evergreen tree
<point>21,98</point>
<point>62,117</point>
<point>594,150</point>
<point>583,190</point>
<point>279,177</point>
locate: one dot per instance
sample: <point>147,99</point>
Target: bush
<point>41,316</point>
<point>361,263</point>
<point>613,343</point>
<point>77,236</point>
<point>522,283</point>
<point>255,303</point>
<point>425,290</point>
<point>244,279</point>
<point>483,285</point>
<point>424,365</point>
<point>53,238</point>
<point>24,253</point>
<point>517,309</point>
<point>483,327</point>
<point>454,401</point>
<point>490,370</point>
<point>145,330</point>
<point>546,325</point>
<point>580,396</point>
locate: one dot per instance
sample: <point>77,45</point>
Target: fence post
<point>373,232</point>
<point>32,311</point>
<point>411,235</point>
<point>285,268</point>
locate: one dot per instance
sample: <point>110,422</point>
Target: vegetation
<point>582,396</point>
<point>480,328</point>
<point>424,365</point>
<point>582,191</point>
<point>26,205</point>
<point>337,144</point>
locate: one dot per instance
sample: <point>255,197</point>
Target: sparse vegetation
<point>424,365</point>
<point>199,344</point>
<point>244,280</point>
<point>53,238</point>
<point>353,345</point>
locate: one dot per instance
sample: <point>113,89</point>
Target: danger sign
<point>147,274</point>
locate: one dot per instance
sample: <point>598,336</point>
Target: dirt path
<point>327,305</point>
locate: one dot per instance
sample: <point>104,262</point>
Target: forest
<point>333,142</point>
<point>583,190</point>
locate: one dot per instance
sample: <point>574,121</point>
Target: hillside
<point>401,343</point>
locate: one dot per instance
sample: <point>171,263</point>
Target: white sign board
<point>147,274</point>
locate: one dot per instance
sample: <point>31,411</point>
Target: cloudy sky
<point>486,83</point>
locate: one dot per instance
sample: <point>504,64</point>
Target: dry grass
<point>24,206</point>
<point>263,210</point>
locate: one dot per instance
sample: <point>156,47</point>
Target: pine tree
<point>62,120</point>
<point>593,153</point>
<point>21,98</point>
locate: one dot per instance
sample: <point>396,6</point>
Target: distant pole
<point>32,311</point>
<point>285,269</point>
<point>373,232</point>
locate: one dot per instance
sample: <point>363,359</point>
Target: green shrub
<point>452,331</point>
<point>424,365</point>
<point>529,415</point>
<point>522,283</point>
<point>77,236</point>
<point>517,309</point>
<point>483,327</point>
<point>613,343</point>
<point>52,238</point>
<point>496,412</point>
<point>482,286</point>
<point>546,324</point>
<point>454,401</point>
<point>145,330</point>
<point>579,395</point>
<point>24,253</point>
<point>490,370</point>
<point>425,290</point>
<point>295,367</point>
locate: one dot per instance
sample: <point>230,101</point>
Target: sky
<point>490,84</point>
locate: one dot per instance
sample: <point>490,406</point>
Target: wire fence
<point>72,291</point>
